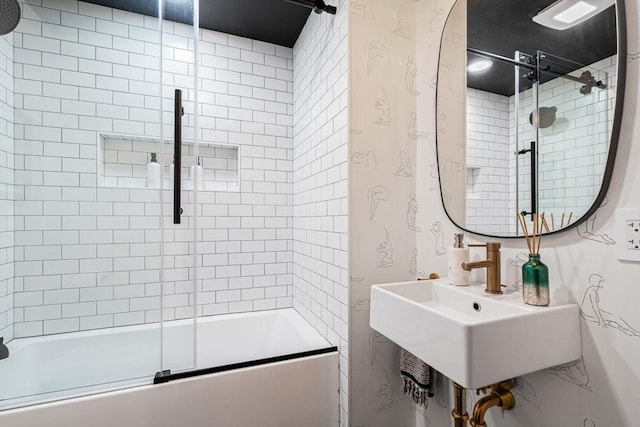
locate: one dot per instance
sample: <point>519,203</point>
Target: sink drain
<point>476,306</point>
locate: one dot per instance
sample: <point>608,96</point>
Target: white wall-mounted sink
<point>472,337</point>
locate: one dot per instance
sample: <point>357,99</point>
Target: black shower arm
<point>318,6</point>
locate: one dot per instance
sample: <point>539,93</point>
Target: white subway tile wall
<point>122,163</point>
<point>572,153</point>
<point>6,186</point>
<point>88,256</point>
<point>320,203</point>
<point>490,160</point>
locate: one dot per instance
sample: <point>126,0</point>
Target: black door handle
<point>177,155</point>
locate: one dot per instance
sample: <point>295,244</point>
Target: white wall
<point>320,239</point>
<point>88,256</point>
<point>6,187</point>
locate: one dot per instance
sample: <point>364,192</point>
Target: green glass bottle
<point>535,281</point>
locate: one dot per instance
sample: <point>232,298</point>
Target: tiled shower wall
<point>6,187</point>
<point>320,189</point>
<point>89,256</point>
<point>572,153</point>
<point>568,179</point>
<point>490,162</point>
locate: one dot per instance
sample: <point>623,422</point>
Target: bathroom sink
<point>472,337</point>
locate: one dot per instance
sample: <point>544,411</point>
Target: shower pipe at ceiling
<point>318,6</point>
<point>585,78</point>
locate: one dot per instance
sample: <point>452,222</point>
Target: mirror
<point>529,103</point>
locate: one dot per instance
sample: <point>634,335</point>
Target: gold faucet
<point>500,395</point>
<point>492,264</point>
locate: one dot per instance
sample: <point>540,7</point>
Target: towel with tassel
<point>418,378</point>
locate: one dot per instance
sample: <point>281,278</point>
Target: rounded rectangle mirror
<point>529,104</point>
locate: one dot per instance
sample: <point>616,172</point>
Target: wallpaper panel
<point>386,131</point>
<point>391,42</point>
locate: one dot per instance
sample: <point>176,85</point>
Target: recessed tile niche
<point>122,163</point>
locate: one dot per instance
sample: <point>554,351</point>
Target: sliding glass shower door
<point>179,261</point>
<point>102,267</point>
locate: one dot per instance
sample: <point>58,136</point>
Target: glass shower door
<point>184,180</point>
<point>573,135</point>
<point>525,102</point>
<point>93,127</point>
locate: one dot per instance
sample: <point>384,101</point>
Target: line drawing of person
<point>361,305</point>
<point>411,77</point>
<point>585,230</point>
<point>441,119</point>
<point>574,373</point>
<point>363,10</point>
<point>438,18</point>
<point>436,230</point>
<point>520,259</point>
<point>525,391</point>
<point>365,159</point>
<point>375,196</point>
<point>375,50</point>
<point>402,29</point>
<point>445,73</point>
<point>452,166</point>
<point>384,119</point>
<point>412,213</point>
<point>376,339</point>
<point>633,57</point>
<point>385,391</point>
<point>385,248</point>
<point>414,269</point>
<point>413,128</point>
<point>591,311</point>
<point>404,169</point>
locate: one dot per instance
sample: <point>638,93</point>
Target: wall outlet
<point>632,231</point>
<point>628,234</point>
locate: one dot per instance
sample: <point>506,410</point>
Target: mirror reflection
<point>539,98</point>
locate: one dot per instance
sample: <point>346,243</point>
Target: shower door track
<point>166,376</point>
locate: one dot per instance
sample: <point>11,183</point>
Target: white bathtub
<point>124,360</point>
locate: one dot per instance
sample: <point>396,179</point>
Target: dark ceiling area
<point>274,21</point>
<point>504,26</point>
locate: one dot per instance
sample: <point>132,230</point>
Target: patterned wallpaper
<point>386,132</point>
<point>398,230</point>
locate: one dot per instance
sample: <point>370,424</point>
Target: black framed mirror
<point>529,105</point>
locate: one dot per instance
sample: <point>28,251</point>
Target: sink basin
<point>472,337</point>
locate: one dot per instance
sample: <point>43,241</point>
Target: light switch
<point>628,234</point>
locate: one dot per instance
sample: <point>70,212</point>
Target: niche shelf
<point>122,163</point>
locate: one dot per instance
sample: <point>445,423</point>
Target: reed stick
<point>544,223</point>
<point>562,222</point>
<point>523,225</point>
<point>553,223</point>
<point>570,215</point>
<point>535,229</point>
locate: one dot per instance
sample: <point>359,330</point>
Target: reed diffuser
<point>535,274</point>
